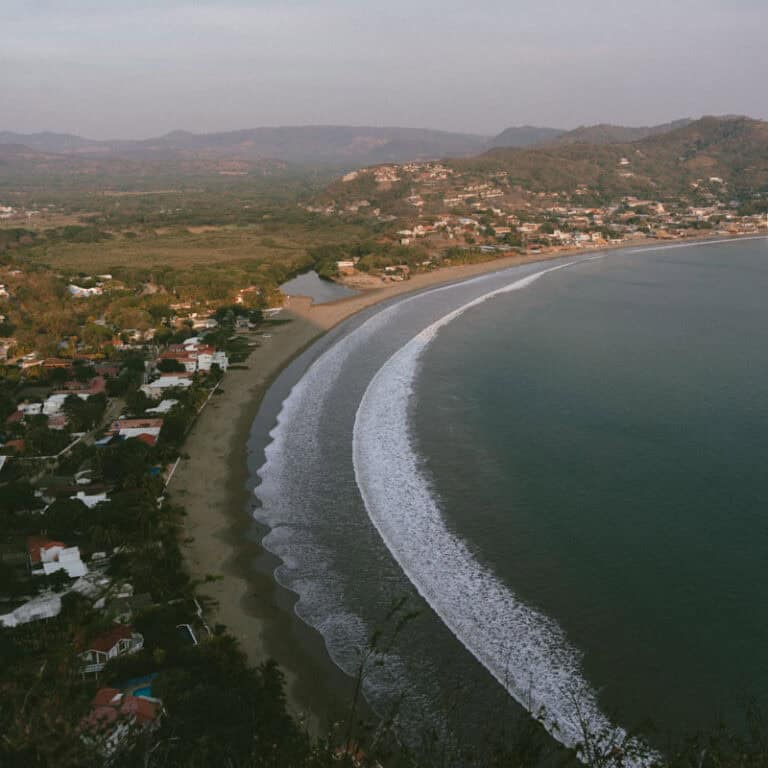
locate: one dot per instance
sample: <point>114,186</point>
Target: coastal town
<point>119,376</point>
<point>436,214</point>
<point>89,551</point>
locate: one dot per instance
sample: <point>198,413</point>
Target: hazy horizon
<point>103,71</point>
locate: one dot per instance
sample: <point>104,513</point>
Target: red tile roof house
<point>95,386</point>
<point>13,447</point>
<point>15,418</point>
<point>126,428</point>
<point>107,370</point>
<point>47,557</point>
<point>119,640</point>
<point>182,357</point>
<point>150,440</point>
<point>113,714</point>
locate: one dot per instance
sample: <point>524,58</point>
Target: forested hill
<point>525,136</point>
<point>603,133</point>
<point>733,149</point>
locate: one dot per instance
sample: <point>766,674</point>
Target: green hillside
<point>732,149</point>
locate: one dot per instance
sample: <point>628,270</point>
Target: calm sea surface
<point>563,470</point>
<point>601,440</point>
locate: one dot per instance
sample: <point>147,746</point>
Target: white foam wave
<point>526,651</point>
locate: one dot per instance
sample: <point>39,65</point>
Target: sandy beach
<point>211,482</point>
<point>222,552</point>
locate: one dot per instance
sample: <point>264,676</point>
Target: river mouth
<point>312,285</point>
<point>335,560</point>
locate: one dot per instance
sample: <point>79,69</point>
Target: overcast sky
<point>132,68</point>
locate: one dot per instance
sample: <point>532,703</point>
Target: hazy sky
<point>129,69</point>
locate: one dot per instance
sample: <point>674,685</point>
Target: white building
<point>83,293</point>
<point>47,557</point>
<point>45,606</point>
<point>156,388</point>
<point>206,359</point>
<point>90,499</point>
<point>163,407</point>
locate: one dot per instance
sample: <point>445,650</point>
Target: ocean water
<point>562,467</point>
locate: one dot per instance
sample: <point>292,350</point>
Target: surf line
<point>525,650</point>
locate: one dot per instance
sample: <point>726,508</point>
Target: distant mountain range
<point>330,145</point>
<point>537,154</point>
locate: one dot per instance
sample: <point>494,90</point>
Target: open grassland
<point>178,247</point>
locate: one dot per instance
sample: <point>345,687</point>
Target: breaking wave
<point>526,651</point>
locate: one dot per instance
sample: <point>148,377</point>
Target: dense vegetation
<point>735,150</point>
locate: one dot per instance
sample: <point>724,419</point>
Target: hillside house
<point>44,606</point>
<point>78,292</point>
<point>47,556</point>
<point>114,715</point>
<point>119,640</point>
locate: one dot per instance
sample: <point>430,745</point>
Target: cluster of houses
<point>56,566</point>
<point>117,710</point>
<point>194,356</point>
<point>489,211</point>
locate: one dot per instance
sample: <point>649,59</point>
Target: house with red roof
<point>47,556</point>
<point>127,428</point>
<point>114,713</point>
<point>95,386</point>
<point>15,418</point>
<point>14,447</point>
<point>108,370</point>
<point>118,640</point>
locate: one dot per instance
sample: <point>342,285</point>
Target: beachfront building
<point>156,389</point>
<point>194,356</point>
<point>208,358</point>
<point>128,428</point>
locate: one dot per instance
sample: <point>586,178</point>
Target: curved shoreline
<point>213,484</point>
